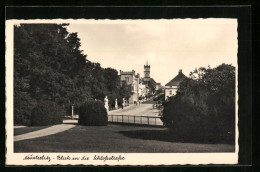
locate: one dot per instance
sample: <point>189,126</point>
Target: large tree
<point>204,106</point>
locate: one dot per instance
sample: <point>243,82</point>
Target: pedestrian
<point>122,107</point>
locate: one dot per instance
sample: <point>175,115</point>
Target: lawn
<point>23,130</point>
<point>116,138</point>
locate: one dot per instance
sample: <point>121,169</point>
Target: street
<point>138,114</point>
<point>137,110</point>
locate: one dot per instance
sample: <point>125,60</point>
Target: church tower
<point>146,72</point>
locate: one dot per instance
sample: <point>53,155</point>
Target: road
<point>127,114</point>
<point>137,110</point>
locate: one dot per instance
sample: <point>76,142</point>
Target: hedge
<point>46,113</point>
<point>93,113</point>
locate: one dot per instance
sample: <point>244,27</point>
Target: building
<point>143,88</point>
<point>172,86</point>
<point>158,86</point>
<point>146,73</point>
<point>147,80</point>
<point>132,80</point>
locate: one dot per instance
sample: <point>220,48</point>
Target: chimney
<point>180,71</point>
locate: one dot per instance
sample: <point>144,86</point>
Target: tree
<point>152,85</point>
<point>204,106</point>
<point>125,90</point>
<point>49,66</point>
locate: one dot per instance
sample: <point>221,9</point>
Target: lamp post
<point>72,112</point>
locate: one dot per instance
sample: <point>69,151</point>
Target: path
<point>44,132</point>
<point>19,126</point>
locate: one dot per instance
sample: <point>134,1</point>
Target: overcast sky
<point>167,45</point>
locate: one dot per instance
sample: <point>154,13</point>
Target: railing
<point>136,120</point>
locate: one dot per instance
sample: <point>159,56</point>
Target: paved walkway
<point>19,126</point>
<point>44,132</point>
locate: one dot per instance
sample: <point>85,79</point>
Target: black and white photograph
<point>131,92</point>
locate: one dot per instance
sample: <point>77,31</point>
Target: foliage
<point>159,97</point>
<point>159,91</point>
<point>204,106</point>
<point>152,85</point>
<point>149,95</point>
<point>93,113</point>
<point>48,65</point>
<point>46,113</point>
<point>23,106</point>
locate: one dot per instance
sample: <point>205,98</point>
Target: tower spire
<point>146,62</point>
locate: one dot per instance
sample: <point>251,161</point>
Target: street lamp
<point>72,112</point>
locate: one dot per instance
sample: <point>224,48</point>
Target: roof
<point>127,72</point>
<point>177,79</point>
<point>152,80</point>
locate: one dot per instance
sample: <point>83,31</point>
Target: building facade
<point>132,80</point>
<point>158,86</point>
<point>172,86</point>
<point>143,89</point>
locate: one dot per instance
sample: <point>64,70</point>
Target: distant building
<point>143,88</point>
<point>158,86</point>
<point>132,80</point>
<point>146,73</point>
<point>172,86</point>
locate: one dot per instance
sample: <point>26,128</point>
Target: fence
<point>139,120</point>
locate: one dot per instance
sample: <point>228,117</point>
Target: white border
<point>130,158</point>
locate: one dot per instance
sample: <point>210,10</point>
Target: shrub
<point>47,113</point>
<point>93,113</point>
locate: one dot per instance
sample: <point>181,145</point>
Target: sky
<point>167,45</point>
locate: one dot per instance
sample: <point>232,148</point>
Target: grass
<point>116,138</point>
<point>23,130</point>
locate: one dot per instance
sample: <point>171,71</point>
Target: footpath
<point>44,132</point>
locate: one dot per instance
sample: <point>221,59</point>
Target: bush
<point>47,113</point>
<point>93,113</point>
<point>204,106</point>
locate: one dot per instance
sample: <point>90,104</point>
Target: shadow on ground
<point>166,135</point>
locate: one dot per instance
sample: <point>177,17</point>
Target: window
<point>170,92</point>
<point>127,79</point>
